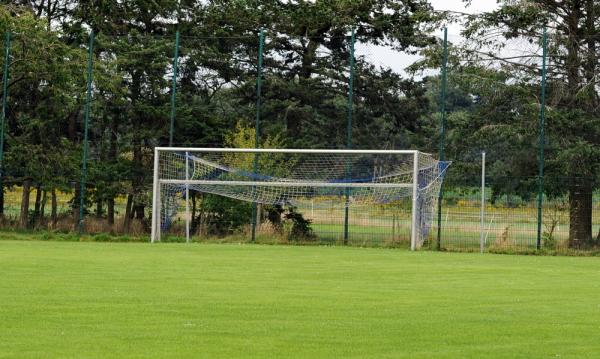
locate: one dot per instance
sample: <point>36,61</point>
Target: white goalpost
<point>291,177</point>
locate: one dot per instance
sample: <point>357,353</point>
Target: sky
<point>477,6</point>
<point>399,61</point>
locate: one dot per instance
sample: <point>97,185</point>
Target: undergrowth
<point>270,239</point>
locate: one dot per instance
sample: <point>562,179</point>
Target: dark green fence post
<point>442,132</point>
<point>88,100</point>
<point>3,115</point>
<point>349,132</point>
<point>540,194</point>
<point>261,45</point>
<point>174,89</point>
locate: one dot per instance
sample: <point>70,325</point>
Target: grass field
<point>107,300</point>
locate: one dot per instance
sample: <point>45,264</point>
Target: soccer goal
<point>302,178</point>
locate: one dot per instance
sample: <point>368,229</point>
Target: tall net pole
<point>349,132</point>
<point>540,194</point>
<point>442,132</point>
<point>482,209</point>
<point>85,132</point>
<point>174,88</point>
<point>261,45</point>
<point>3,115</point>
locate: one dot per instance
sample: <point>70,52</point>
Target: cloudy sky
<point>459,5</point>
<point>399,61</point>
<point>476,6</point>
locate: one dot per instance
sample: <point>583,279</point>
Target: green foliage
<point>304,98</point>
<point>215,86</point>
<point>498,107</point>
<point>243,136</point>
<point>225,215</point>
<point>548,241</point>
<point>274,214</point>
<point>45,85</point>
<point>301,230</point>
<point>290,221</point>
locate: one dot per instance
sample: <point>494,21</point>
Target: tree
<point>305,83</point>
<point>306,66</point>
<point>573,123</point>
<point>135,55</point>
<point>225,215</point>
<point>44,103</point>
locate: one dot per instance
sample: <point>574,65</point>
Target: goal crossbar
<point>289,184</point>
<point>285,150</point>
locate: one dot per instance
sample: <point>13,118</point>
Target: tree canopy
<point>493,95</point>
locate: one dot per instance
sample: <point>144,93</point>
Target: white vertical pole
<point>414,229</point>
<point>187,199</point>
<point>155,196</point>
<point>159,218</point>
<point>481,226</point>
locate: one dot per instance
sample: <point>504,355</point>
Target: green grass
<point>111,300</point>
<point>25,235</point>
<point>360,234</point>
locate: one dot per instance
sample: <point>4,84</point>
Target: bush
<point>103,237</point>
<point>549,242</point>
<point>274,216</point>
<point>225,215</point>
<point>301,230</point>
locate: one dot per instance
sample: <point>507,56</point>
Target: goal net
<point>299,179</point>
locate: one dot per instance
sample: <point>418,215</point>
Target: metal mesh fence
<point>509,98</point>
<point>508,219</point>
<point>452,97</point>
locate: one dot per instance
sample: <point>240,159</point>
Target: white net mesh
<point>295,178</point>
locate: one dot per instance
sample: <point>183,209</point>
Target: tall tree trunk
<point>310,51</point>
<point>98,208</point>
<point>580,214</point>
<point>137,151</point>
<point>112,157</point>
<point>139,210</point>
<point>194,220</point>
<point>38,204</point>
<point>43,206</point>
<point>72,127</point>
<point>76,202</point>
<point>54,208</point>
<point>128,212</point>
<point>580,192</point>
<point>24,216</point>
<point>202,217</point>
<point>1,199</point>
<point>591,62</point>
<point>110,210</point>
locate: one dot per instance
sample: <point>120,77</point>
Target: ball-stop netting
<point>351,179</point>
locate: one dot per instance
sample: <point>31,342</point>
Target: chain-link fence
<point>504,216</point>
<point>456,99</point>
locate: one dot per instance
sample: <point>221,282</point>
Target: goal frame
<point>156,206</point>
